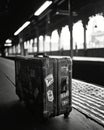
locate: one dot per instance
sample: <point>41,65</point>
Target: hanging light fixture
<point>44,6</point>
<point>8,43</point>
<point>22,27</point>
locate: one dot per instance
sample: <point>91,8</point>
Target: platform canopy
<point>14,13</point>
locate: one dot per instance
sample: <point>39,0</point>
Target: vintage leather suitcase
<point>44,83</point>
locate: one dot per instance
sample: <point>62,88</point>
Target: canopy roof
<point>14,13</point>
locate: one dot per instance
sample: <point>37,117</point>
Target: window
<point>65,38</point>
<point>41,44</point>
<point>78,35</point>
<point>54,40</point>
<point>18,48</point>
<point>35,45</point>
<point>47,43</point>
<point>95,31</point>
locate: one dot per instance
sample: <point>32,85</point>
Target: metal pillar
<point>84,37</point>
<point>50,42</point>
<point>70,27</point>
<point>15,50</point>
<point>84,26</point>
<point>85,21</point>
<point>59,33</point>
<point>47,27</point>
<point>43,43</point>
<point>21,42</point>
<point>37,35</point>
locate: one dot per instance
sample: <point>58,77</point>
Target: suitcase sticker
<point>49,80</point>
<point>50,95</point>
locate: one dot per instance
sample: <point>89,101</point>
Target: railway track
<point>88,99</point>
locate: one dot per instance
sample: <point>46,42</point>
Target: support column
<point>37,35</point>
<point>44,43</point>
<point>47,27</point>
<point>22,46</point>
<point>33,46</point>
<point>84,37</point>
<point>85,21</point>
<point>21,42</point>
<point>84,26</point>
<point>70,27</point>
<point>50,42</point>
<point>15,50</point>
<point>59,42</point>
<point>47,24</point>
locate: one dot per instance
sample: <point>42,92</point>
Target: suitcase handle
<point>41,54</point>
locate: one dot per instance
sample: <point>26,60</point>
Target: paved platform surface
<point>88,99</point>
<point>15,116</point>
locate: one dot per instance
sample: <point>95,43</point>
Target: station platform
<point>15,116</point>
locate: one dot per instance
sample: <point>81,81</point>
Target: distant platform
<point>78,58</point>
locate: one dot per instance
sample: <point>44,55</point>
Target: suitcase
<point>44,83</point>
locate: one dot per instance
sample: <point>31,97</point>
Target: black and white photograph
<point>51,64</point>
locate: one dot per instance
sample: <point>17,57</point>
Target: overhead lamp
<point>8,45</point>
<point>22,27</point>
<point>45,5</point>
<point>8,41</point>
